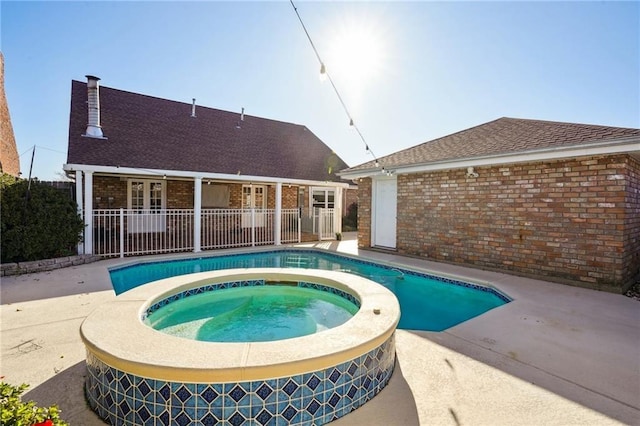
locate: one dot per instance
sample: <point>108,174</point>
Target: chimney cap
<point>92,77</point>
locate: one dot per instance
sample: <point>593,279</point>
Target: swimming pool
<point>427,302</point>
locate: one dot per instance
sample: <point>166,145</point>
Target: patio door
<point>383,223</point>
<point>146,202</point>
<point>254,197</point>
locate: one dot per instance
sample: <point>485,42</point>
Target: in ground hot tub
<point>139,376</point>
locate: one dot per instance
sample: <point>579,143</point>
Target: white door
<point>254,197</point>
<point>383,223</point>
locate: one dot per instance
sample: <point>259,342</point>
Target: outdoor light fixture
<point>323,72</point>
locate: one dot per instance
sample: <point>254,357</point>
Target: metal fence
<point>320,222</point>
<point>127,232</point>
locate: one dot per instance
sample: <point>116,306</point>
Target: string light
<point>323,72</point>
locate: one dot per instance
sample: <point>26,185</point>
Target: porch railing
<point>320,222</point>
<point>127,232</point>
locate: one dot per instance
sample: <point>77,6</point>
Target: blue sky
<point>428,68</point>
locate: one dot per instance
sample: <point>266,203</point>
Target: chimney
<point>93,126</point>
<point>193,108</point>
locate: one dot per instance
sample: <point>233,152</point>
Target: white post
<point>121,232</point>
<point>253,226</point>
<point>80,204</point>
<point>337,211</point>
<point>197,214</point>
<point>278,219</point>
<point>88,212</point>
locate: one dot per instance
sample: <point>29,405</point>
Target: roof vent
<point>193,108</point>
<point>242,115</point>
<point>94,130</point>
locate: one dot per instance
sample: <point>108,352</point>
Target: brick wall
<point>9,159</point>
<point>179,194</point>
<point>364,212</point>
<point>631,234</point>
<point>572,221</point>
<point>289,197</point>
<point>108,186</point>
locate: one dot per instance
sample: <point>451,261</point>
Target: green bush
<point>41,224</point>
<point>14,412</point>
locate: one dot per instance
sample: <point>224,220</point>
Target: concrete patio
<point>556,355</point>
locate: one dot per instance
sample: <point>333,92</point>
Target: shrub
<point>14,412</point>
<point>37,224</point>
<point>350,220</point>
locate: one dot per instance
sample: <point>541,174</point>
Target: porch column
<point>79,203</point>
<point>278,219</point>
<point>197,214</point>
<point>88,212</point>
<point>338,205</point>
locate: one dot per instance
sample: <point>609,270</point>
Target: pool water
<point>427,302</point>
<point>252,314</point>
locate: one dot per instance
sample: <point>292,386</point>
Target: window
<point>322,198</point>
<point>146,195</point>
<point>254,197</point>
<point>147,198</point>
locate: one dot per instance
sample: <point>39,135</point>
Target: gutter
<point>160,173</point>
<point>617,146</point>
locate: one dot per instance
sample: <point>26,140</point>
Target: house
<point>558,201</point>
<point>9,159</point>
<point>154,175</point>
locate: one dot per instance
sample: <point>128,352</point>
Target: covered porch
<point>128,211</point>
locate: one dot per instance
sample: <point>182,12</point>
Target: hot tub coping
<point>115,333</point>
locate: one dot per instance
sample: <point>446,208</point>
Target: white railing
<point>126,232</point>
<point>320,222</point>
<point>326,224</point>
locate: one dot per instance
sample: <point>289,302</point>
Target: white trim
<point>378,209</point>
<point>88,212</point>
<point>80,204</point>
<point>197,215</point>
<point>627,145</point>
<point>278,226</point>
<point>159,173</point>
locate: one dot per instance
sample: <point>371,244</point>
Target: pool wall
<point>138,376</point>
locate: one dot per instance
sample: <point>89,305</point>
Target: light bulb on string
<point>323,72</point>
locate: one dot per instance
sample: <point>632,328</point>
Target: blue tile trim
<point>311,398</point>
<point>404,271</point>
<point>247,283</point>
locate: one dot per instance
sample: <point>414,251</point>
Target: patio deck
<point>556,355</point>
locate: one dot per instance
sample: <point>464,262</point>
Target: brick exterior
<point>9,159</point>
<point>180,194</point>
<point>108,186</point>
<point>364,212</point>
<point>572,221</point>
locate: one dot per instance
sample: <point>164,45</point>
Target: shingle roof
<point>152,133</point>
<point>502,136</point>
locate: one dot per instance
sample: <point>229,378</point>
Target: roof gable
<point>145,132</point>
<point>502,136</point>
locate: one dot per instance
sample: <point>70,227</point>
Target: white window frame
<point>145,219</point>
<point>250,203</point>
<point>326,191</point>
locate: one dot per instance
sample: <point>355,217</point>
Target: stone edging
<point>7,269</point>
